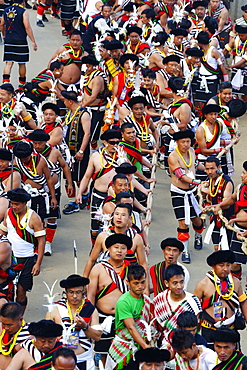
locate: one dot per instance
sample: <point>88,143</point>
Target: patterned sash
<point>211,143</point>
<point>209,68</point>
<point>7,172</point>
<point>122,348</point>
<point>23,233</point>
<point>133,153</point>
<point>241,202</point>
<point>157,273</point>
<point>174,106</point>
<point>53,167</point>
<point>107,169</point>
<point>46,361</point>
<point>138,127</point>
<point>233,363</point>
<point>26,173</point>
<point>118,280</point>
<point>50,127</point>
<point>72,58</point>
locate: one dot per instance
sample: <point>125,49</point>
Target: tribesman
<point>239,222</point>
<point>220,294</point>
<point>11,111</point>
<point>133,43</point>
<point>107,284</point>
<point>39,348</point>
<point>238,47</point>
<point>56,163</point>
<point>26,234</point>
<point>101,168</point>
<point>176,46</point>
<point>183,191</point>
<point>225,343</point>
<point>94,99</point>
<point>172,67</point>
<point>159,52</point>
<point>219,187</point>
<point>76,309</point>
<point>7,274</point>
<point>148,24</point>
<point>10,178</point>
<point>13,331</point>
<point>197,19</point>
<point>51,125</point>
<point>206,85</point>
<point>218,11</point>
<point>132,308</point>
<point>71,54</point>
<point>112,60</point>
<point>152,355</point>
<point>78,123</point>
<point>35,174</point>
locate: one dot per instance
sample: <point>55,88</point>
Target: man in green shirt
<point>132,309</point>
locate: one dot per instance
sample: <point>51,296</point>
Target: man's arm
<point>26,116</point>
<point>223,19</point>
<point>29,30</point>
<point>185,116</point>
<point>39,232</point>
<point>16,181</point>
<point>66,172</point>
<point>47,174</point>
<point>199,289</point>
<point>174,165</point>
<point>56,136</point>
<point>154,133</point>
<point>130,325</point>
<point>156,59</point>
<point>21,360</point>
<point>86,178</point>
<point>2,26</point>
<point>97,248</point>
<point>86,126</point>
<point>93,285</point>
<point>91,333</point>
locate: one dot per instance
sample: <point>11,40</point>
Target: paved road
<point>76,226</point>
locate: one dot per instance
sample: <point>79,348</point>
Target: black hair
<point>173,270</point>
<point>126,125</point>
<point>76,33</point>
<point>171,24</point>
<point>63,352</point>
<point>182,339</point>
<point>185,23</point>
<point>150,13</point>
<point>225,85</point>
<point>11,310</point>
<point>119,176</point>
<point>175,83</point>
<point>56,65</point>
<point>187,319</point>
<point>161,38</point>
<point>125,205</point>
<point>135,272</point>
<point>214,159</point>
<point>147,72</point>
<point>245,165</point>
<point>203,38</point>
<point>211,24</point>
<point>123,194</point>
<point>104,5</point>
<point>71,95</point>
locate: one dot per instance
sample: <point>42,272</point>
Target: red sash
<point>23,233</point>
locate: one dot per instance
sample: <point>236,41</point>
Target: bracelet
<point>228,47</point>
<point>148,246</point>
<point>81,151</point>
<point>86,328</point>
<point>27,117</point>
<point>216,151</point>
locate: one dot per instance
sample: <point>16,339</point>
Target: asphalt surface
<point>76,226</point>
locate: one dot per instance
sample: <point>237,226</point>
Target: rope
<point>233,141</point>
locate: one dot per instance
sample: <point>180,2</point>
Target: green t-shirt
<point>127,307</point>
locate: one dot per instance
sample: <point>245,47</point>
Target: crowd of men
<point>137,85</point>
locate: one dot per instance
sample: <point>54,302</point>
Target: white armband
<point>97,327</point>
<point>219,60</point>
<point>39,233</point>
<point>3,227</point>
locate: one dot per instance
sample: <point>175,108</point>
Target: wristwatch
<point>81,151</point>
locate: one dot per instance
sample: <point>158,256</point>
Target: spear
<point>75,257</point>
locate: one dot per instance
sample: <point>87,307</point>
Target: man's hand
<point>36,269</point>
<point>70,190</point>
<point>53,203</point>
<point>79,156</point>
<point>79,321</point>
<point>78,199</point>
<point>151,180</point>
<point>35,47</point>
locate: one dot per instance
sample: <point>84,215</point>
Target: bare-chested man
<point>72,53</point>
<point>183,191</point>
<point>9,179</point>
<point>101,168</point>
<point>51,125</point>
<point>108,283</point>
<point>94,88</point>
<point>35,174</point>
<point>121,222</point>
<point>220,294</point>
<point>159,52</point>
<point>81,312</point>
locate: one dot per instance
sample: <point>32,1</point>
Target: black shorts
<point>55,213</point>
<point>103,345</point>
<point>26,278</point>
<point>236,245</point>
<point>38,205</point>
<point>179,206</point>
<point>79,168</point>
<point>200,94</point>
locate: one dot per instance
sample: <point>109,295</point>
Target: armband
<point>39,233</point>
<point>179,172</point>
<point>27,117</point>
<point>195,182</point>
<point>96,327</point>
<point>216,151</point>
<point>219,61</point>
<point>232,34</point>
<point>227,142</point>
<point>244,57</point>
<point>242,297</point>
<point>3,227</point>
<point>225,78</point>
<point>228,47</point>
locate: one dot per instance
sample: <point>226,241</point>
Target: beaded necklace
<point>184,161</point>
<point>218,286</point>
<point>197,363</point>
<point>7,108</point>
<point>11,342</point>
<point>102,156</point>
<point>32,170</point>
<point>144,128</point>
<point>69,119</point>
<point>217,189</point>
<point>240,47</point>
<point>26,220</point>
<point>78,310</point>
